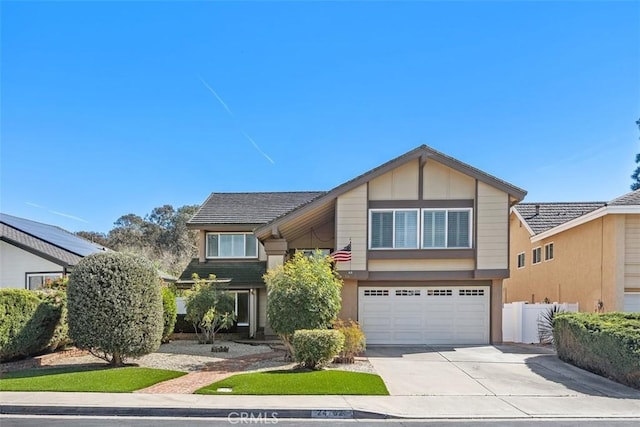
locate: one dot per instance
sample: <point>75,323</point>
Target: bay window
<point>231,245</point>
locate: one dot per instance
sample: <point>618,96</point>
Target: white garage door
<point>632,302</point>
<point>424,315</point>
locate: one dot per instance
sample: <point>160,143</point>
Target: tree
<point>169,312</point>
<point>210,308</point>
<point>304,293</point>
<point>115,306</point>
<point>95,237</point>
<point>636,174</point>
<point>161,236</point>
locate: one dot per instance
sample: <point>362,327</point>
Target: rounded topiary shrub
<point>314,348</point>
<point>115,306</point>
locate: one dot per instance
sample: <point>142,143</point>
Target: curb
<point>253,414</point>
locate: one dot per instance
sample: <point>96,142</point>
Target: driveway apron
<point>505,370</point>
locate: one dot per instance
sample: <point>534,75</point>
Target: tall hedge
<point>31,323</point>
<point>115,306</point>
<point>169,312</point>
<point>607,344</point>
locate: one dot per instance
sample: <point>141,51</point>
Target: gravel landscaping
<point>187,356</point>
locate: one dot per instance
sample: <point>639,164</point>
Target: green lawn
<point>300,382</point>
<point>115,380</point>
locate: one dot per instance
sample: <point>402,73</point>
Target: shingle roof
<point>629,199</point>
<point>48,241</point>
<point>242,273</point>
<point>541,217</point>
<point>250,208</point>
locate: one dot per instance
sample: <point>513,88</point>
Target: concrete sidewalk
<point>347,407</point>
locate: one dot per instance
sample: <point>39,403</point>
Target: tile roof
<point>242,273</point>
<point>541,217</point>
<point>250,208</point>
<point>629,199</point>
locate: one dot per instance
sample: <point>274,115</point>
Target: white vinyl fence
<point>520,320</point>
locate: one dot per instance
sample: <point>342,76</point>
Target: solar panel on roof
<point>52,234</point>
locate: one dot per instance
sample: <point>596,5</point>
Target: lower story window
<point>37,280</point>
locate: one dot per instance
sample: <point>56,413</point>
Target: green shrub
<point>314,348</point>
<point>304,293</point>
<point>169,312</point>
<point>210,308</point>
<point>115,306</point>
<point>354,340</point>
<point>31,323</point>
<point>607,344</point>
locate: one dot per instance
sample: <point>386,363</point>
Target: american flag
<point>343,254</point>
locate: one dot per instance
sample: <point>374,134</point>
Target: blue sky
<point>116,107</point>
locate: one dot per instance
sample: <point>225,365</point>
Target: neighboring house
<point>577,252</point>
<point>429,246</point>
<point>32,252</point>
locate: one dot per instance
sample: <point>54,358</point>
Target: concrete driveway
<point>505,370</point>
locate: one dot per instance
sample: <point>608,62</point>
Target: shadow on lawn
<point>54,370</point>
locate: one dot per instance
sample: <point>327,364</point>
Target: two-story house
<point>584,252</point>
<point>429,242</point>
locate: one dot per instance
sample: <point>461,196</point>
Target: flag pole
<point>350,257</point>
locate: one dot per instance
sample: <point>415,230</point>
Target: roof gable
<point>249,208</point>
<point>423,152</point>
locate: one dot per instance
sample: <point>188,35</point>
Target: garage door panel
<point>425,315</point>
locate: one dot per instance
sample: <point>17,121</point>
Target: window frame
<point>546,252</point>
<point>446,227</point>
<point>245,234</point>
<point>44,275</point>
<point>235,298</point>
<point>524,260</point>
<point>393,228</point>
<point>533,255</point>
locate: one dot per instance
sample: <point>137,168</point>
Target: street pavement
<point>486,382</point>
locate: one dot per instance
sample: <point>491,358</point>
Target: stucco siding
<point>400,183</point>
<point>443,183</point>
<point>492,227</point>
<point>576,273</point>
<point>351,223</point>
<point>15,262</point>
<point>420,264</point>
<point>632,252</point>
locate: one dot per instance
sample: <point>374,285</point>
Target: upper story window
<point>393,229</point>
<point>231,245</point>
<point>521,260</point>
<point>548,252</point>
<point>400,228</point>
<point>536,255</point>
<point>446,228</point>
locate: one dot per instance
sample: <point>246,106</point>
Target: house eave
<point>598,213</point>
